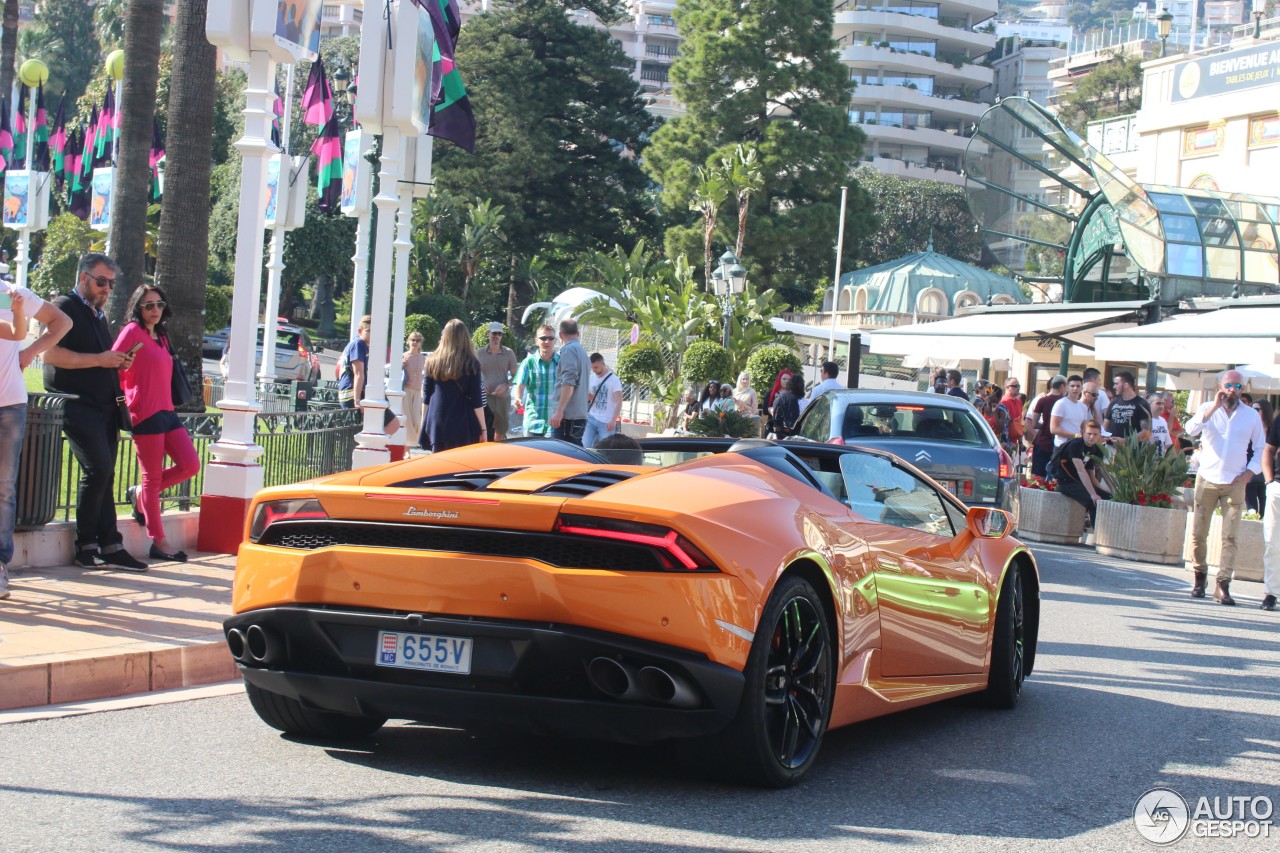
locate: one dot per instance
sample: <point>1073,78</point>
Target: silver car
<point>296,356</point>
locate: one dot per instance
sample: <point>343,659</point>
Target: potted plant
<point>724,424</point>
<point>1044,515</point>
<point>1141,521</point>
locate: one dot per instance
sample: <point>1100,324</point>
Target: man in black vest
<point>84,364</point>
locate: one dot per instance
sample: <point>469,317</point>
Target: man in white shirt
<point>604,402</point>
<point>1092,374</point>
<point>1068,413</point>
<point>15,356</point>
<point>1231,446</point>
<point>830,370</point>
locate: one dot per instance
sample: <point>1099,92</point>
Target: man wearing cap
<point>497,367</point>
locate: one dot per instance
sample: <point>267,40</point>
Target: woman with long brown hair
<point>452,393</point>
<point>157,432</point>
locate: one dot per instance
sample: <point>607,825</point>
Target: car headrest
<point>748,443</point>
<point>884,412</point>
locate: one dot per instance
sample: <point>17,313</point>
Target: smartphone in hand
<point>133,350</point>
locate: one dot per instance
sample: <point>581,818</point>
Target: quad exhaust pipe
<point>623,682</point>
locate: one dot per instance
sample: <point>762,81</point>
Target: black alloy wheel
<point>1008,646</point>
<point>787,698</point>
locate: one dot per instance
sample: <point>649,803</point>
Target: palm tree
<point>8,44</point>
<point>711,191</point>
<point>183,261</point>
<point>133,169</point>
<point>746,177</point>
<point>481,234</point>
<point>108,23</point>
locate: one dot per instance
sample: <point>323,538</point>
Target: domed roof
<point>896,285</point>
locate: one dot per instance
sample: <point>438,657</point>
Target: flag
<point>317,97</point>
<point>87,134</point>
<point>58,142</point>
<point>104,137</point>
<point>451,117</point>
<point>278,109</point>
<point>6,136</point>
<point>78,182</point>
<point>40,156</point>
<point>157,155</point>
<point>328,151</point>
<point>19,158</point>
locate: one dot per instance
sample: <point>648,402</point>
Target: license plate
<point>424,651</point>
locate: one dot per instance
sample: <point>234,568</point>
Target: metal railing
<point>296,446</point>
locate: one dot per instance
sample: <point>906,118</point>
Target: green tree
<point>131,194</point>
<point>481,237</point>
<point>765,363</point>
<point>560,129</point>
<point>767,74</point>
<point>108,23</point>
<point>183,261</point>
<point>1113,88</point>
<point>710,191</point>
<point>425,325</point>
<point>8,44</point>
<point>61,34</point>
<point>65,240</point>
<point>910,215</point>
<point>705,360</point>
<point>746,177</point>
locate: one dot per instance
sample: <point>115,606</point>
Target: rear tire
<point>289,716</point>
<point>1009,644</point>
<point>788,693</point>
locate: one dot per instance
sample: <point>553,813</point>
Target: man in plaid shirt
<point>535,384</point>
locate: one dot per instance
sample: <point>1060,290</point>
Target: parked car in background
<point>297,358</point>
<point>943,436</point>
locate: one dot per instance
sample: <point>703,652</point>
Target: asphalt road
<point>1136,686</point>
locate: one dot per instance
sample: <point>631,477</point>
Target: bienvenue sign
<point>1233,71</point>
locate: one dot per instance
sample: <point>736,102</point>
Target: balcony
<point>950,37</point>
<point>904,96</point>
<point>943,141</point>
<point>870,56</point>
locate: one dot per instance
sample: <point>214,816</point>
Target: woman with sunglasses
<point>157,432</point>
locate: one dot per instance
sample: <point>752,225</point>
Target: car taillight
<point>293,509</point>
<point>674,551</point>
<point>1006,465</point>
<point>837,440</point>
<point>966,488</point>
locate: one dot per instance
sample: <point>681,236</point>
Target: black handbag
<point>124,420</point>
<point>179,384</point>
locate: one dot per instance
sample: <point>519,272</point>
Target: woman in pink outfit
<point>156,428</point>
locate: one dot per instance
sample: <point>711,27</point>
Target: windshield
<point>902,420</point>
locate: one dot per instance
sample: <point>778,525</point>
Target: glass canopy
<point>1054,209</point>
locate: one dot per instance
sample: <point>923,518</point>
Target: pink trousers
<point>151,450</point>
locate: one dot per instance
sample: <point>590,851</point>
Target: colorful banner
<point>1223,73</point>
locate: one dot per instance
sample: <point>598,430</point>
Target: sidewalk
<point>70,635</point>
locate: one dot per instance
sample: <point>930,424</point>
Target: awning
<point>811,334</point>
<point>993,334</point>
<point>1217,338</point>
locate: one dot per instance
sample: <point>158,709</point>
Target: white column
<point>361,273</point>
<point>400,297</point>
<point>371,442</point>
<point>275,267</point>
<point>234,471</point>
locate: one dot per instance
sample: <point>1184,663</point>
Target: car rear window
<point>910,421</point>
<point>283,339</point>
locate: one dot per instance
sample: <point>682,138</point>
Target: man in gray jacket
<point>569,420</point>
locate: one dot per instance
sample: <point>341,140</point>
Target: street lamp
<point>729,279</point>
<point>1259,9</point>
<point>346,92</point>
<point>1164,26</point>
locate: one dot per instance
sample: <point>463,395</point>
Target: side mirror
<point>988,522</point>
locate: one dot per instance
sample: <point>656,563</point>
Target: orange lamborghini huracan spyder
<point>748,595</point>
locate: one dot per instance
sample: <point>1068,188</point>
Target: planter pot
<point>1142,533</point>
<point>1249,547</point>
<point>1049,517</point>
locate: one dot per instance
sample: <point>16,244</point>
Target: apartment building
<point>918,80</point>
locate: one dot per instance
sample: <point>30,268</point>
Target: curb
<point>116,674</point>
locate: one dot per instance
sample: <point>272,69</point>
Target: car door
<point>934,607</point>
<point>815,420</point>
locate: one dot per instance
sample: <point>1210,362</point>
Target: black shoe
<point>175,557</point>
<point>1222,594</point>
<point>88,559</point>
<point>1269,602</point>
<point>131,494</point>
<point>122,559</point>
